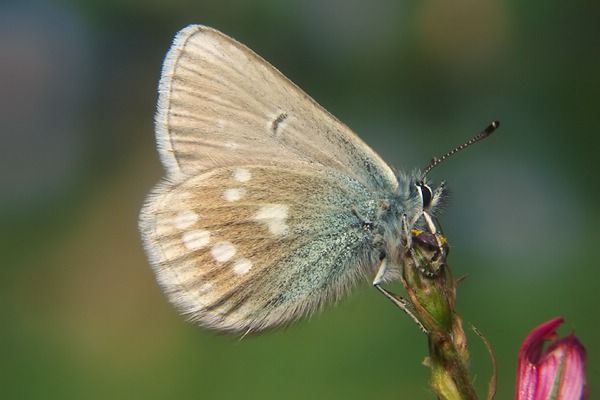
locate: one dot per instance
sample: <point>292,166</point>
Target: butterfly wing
<point>222,105</point>
<point>253,247</point>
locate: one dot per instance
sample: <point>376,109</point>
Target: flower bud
<point>556,373</point>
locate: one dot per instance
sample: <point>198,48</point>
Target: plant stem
<point>431,289</point>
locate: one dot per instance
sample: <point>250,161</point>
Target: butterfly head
<point>418,196</point>
<point>423,244</point>
<point>416,238</point>
<point>430,198</point>
<point>429,247</point>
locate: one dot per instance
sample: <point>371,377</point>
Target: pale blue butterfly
<point>270,207</point>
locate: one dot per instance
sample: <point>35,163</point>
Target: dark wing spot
<point>277,121</point>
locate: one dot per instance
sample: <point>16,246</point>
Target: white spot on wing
<point>223,251</point>
<point>242,175</point>
<point>233,194</point>
<point>196,239</point>
<point>242,266</point>
<point>274,216</point>
<point>185,219</point>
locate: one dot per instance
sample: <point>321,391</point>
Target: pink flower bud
<point>556,373</point>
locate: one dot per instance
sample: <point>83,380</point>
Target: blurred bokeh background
<point>81,314</point>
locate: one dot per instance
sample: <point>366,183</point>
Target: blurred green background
<point>82,316</point>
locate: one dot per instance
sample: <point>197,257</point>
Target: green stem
<point>433,298</point>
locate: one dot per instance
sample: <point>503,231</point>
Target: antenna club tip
<point>480,136</point>
<point>492,127</point>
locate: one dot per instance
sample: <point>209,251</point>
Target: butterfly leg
<point>406,236</point>
<point>399,301</point>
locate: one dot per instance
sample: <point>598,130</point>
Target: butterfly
<point>270,207</point>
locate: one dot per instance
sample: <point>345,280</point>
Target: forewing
<point>221,105</point>
<point>253,247</point>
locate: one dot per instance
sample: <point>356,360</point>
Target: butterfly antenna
<point>435,161</point>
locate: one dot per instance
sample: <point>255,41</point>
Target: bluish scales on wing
<point>270,206</point>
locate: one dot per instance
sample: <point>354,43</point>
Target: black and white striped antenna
<point>435,161</point>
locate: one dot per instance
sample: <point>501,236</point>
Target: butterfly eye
<point>425,193</point>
